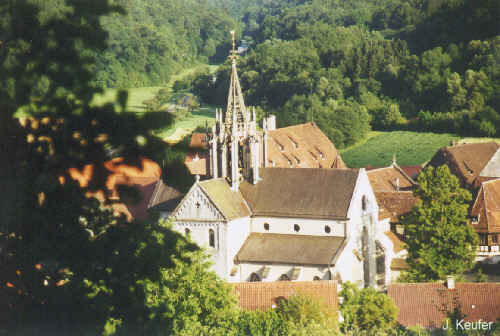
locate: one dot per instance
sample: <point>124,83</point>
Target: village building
<point>429,304</point>
<point>472,163</point>
<point>274,209</point>
<point>478,168</point>
<point>393,189</point>
<point>485,218</point>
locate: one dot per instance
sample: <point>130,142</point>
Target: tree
<point>69,265</point>
<point>366,309</point>
<point>439,238</point>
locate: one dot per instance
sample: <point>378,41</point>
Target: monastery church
<point>280,204</point>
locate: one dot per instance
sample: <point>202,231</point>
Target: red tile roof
<point>264,295</point>
<point>466,160</point>
<point>391,178</point>
<point>424,303</point>
<point>198,141</point>
<point>302,146</point>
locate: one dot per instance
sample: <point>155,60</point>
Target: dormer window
<point>314,156</point>
<point>294,144</point>
<point>296,159</point>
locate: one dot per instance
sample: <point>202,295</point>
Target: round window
<point>296,228</point>
<point>327,229</point>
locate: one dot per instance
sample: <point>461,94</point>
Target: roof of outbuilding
<point>386,179</point>
<point>290,249</point>
<point>425,304</point>
<point>466,160</point>
<point>302,146</point>
<point>230,203</point>
<point>266,295</point>
<point>306,192</point>
<point>395,204</point>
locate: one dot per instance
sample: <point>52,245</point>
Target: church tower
<point>234,143</point>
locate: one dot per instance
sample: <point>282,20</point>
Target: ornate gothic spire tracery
<point>236,111</point>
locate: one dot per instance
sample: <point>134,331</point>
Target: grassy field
<point>174,133</point>
<point>410,148</point>
<point>135,97</point>
<point>179,130</point>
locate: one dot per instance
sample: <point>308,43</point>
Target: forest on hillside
<point>150,40</point>
<point>430,65</point>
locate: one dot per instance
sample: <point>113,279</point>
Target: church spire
<point>236,110</point>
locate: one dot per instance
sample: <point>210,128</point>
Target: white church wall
<point>307,226</point>
<point>199,233</point>
<point>307,273</point>
<point>349,266</point>
<point>237,232</point>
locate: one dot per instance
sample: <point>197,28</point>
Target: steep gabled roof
<point>266,295</point>
<point>230,203</point>
<point>487,207</point>
<point>302,146</point>
<point>467,161</point>
<point>290,249</point>
<point>303,193</point>
<point>395,204</point>
<point>423,303</point>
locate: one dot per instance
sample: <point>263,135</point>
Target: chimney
<point>271,122</point>
<point>450,282</point>
<point>396,182</point>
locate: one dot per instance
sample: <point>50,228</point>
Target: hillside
<point>417,65</point>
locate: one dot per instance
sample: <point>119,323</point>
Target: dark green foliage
<point>429,65</point>
<point>157,38</point>
<point>297,315</point>
<point>440,240</point>
<point>366,310</point>
<point>68,265</point>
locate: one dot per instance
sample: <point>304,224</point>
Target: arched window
<point>327,229</point>
<point>296,228</point>
<point>266,226</point>
<point>316,278</point>
<point>187,232</point>
<point>284,277</point>
<point>211,238</point>
<point>363,202</point>
<point>254,277</point>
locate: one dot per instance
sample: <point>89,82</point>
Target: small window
<point>197,205</point>
<point>475,219</point>
<point>327,229</point>
<point>296,228</point>
<point>211,238</point>
<point>483,239</point>
<point>284,277</point>
<point>187,232</point>
<point>363,202</point>
<point>266,226</point>
<point>254,277</point>
<point>494,239</point>
<point>316,278</point>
